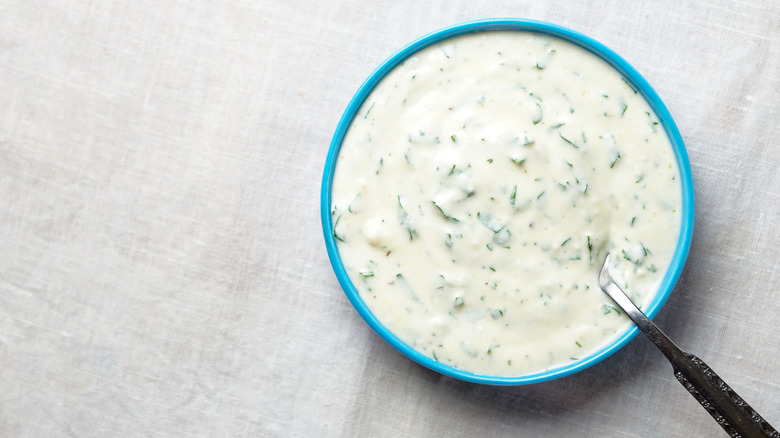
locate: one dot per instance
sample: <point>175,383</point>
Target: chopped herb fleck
<point>629,85</point>
<point>446,216</point>
<point>612,164</point>
<point>538,116</point>
<point>568,141</point>
<point>590,250</point>
<point>609,308</point>
<point>335,235</point>
<point>405,220</point>
<point>369,110</point>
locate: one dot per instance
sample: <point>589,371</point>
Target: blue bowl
<point>636,80</point>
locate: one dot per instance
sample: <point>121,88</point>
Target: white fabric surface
<point>162,266</point>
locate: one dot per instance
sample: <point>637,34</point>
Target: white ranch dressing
<point>479,188</point>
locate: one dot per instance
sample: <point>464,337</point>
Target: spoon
<point>735,416</point>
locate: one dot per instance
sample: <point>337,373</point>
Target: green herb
<point>367,274</point>
<point>586,189</point>
<point>538,67</point>
<point>528,141</point>
<point>629,85</point>
<point>633,219</point>
<point>538,116</point>
<point>369,110</point>
<point>566,241</point>
<point>434,353</point>
<point>625,256</point>
<point>446,216</point>
<point>496,313</point>
<point>452,137</point>
<point>452,170</point>
<point>653,123</point>
<point>568,141</point>
<point>608,308</point>
<point>518,161</point>
<point>612,164</point>
<point>490,160</point>
<point>399,278</point>
<point>405,220</point>
<point>513,198</point>
<point>590,250</point>
<point>625,107</point>
<point>578,344</point>
<point>336,224</point>
<point>458,302</point>
<point>540,195</point>
<point>488,221</point>
<point>558,125</point>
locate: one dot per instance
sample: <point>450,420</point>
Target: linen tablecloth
<point>162,265</point>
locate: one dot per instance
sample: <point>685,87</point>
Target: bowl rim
<point>635,80</point>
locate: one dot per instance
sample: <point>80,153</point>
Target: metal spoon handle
<point>735,416</point>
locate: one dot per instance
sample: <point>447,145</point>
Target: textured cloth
<point>162,266</point>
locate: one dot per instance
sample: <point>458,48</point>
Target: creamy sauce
<point>479,188</point>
